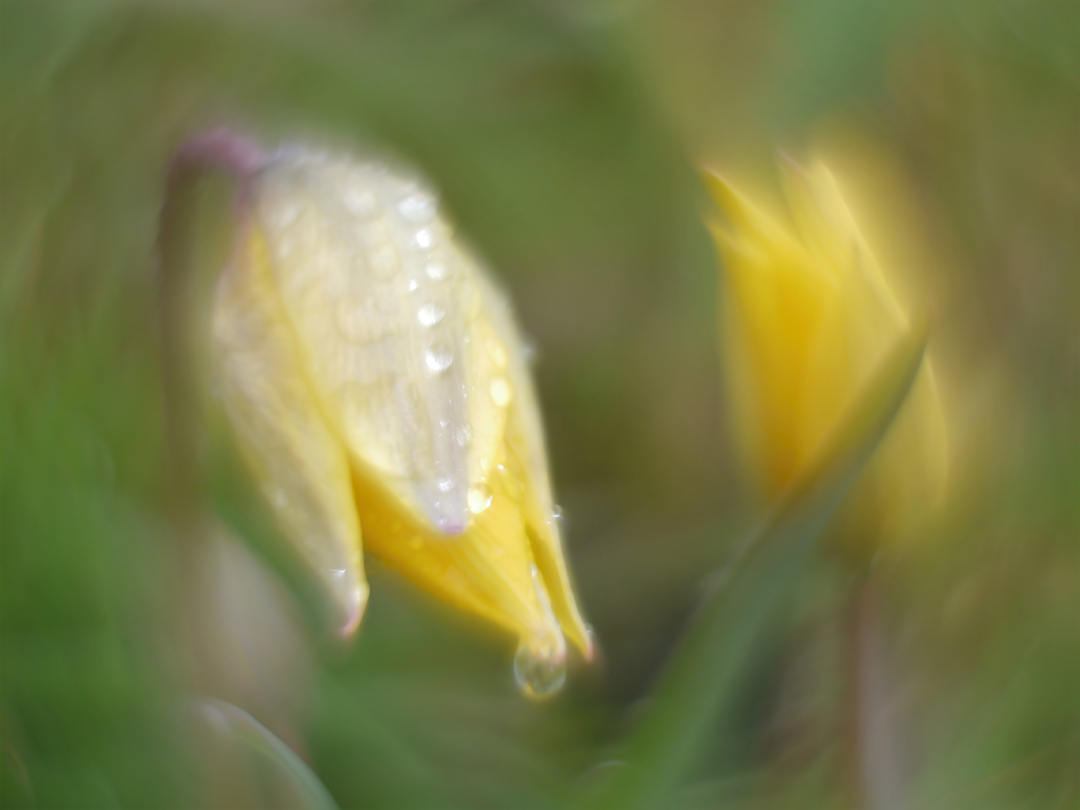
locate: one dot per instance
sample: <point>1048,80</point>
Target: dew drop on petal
<point>423,238</point>
<point>413,285</point>
<point>479,498</point>
<point>500,391</point>
<point>436,270</point>
<point>497,352</point>
<point>430,314</point>
<point>463,435</point>
<point>418,207</point>
<point>438,358</point>
<point>445,484</point>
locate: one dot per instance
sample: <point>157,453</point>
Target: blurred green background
<point>563,136</point>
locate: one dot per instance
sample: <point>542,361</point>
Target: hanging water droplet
<point>436,270</point>
<point>497,352</point>
<point>445,484</point>
<point>430,314</point>
<point>479,498</point>
<point>500,391</point>
<point>556,511</point>
<point>438,358</point>
<point>418,207</point>
<point>540,666</point>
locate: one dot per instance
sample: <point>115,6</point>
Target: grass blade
<point>745,598</point>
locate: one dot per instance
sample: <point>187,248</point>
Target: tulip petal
<point>373,288</point>
<point>526,450</point>
<point>297,459</point>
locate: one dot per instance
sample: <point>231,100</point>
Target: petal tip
<point>357,607</point>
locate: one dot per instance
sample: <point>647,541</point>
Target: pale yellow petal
<point>374,287</point>
<point>527,457</point>
<point>280,427</point>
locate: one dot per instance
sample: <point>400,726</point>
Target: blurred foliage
<point>563,136</point>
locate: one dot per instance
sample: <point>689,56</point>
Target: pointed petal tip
<point>356,609</point>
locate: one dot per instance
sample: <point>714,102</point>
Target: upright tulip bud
<point>376,382</point>
<point>807,315</point>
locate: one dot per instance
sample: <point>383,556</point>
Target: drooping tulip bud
<point>376,383</point>
<point>807,316</point>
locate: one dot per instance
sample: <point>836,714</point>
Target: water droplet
<point>463,435</point>
<point>437,270</point>
<point>384,261</point>
<point>540,666</point>
<point>556,511</point>
<point>497,352</point>
<point>423,238</point>
<point>413,285</point>
<point>438,358</point>
<point>430,314</point>
<point>418,207</point>
<point>479,498</point>
<point>445,484</point>
<point>361,203</point>
<point>500,392</point>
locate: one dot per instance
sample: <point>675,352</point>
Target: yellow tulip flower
<point>807,315</point>
<point>376,382</point>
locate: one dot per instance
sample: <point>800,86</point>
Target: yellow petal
<point>296,457</point>
<point>384,356</point>
<point>527,455</point>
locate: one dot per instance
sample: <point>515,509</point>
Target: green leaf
<point>276,776</point>
<point>697,685</point>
